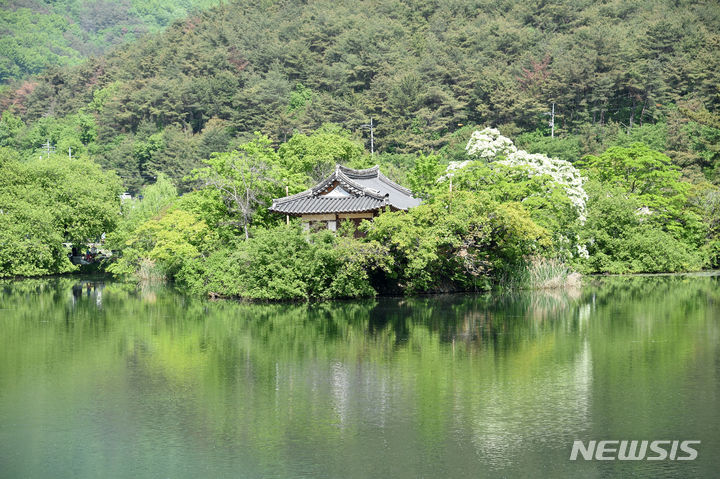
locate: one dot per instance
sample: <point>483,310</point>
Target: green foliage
<point>694,138</point>
<point>460,239</point>
<point>498,225</point>
<point>316,155</point>
<point>10,126</point>
<point>77,132</point>
<point>246,178</point>
<point>642,217</point>
<point>650,178</point>
<point>425,175</point>
<point>638,169</point>
<point>299,98</point>
<point>32,44</point>
<point>45,203</point>
<point>620,238</point>
<point>544,199</point>
<point>208,204</point>
<point>30,242</point>
<point>249,177</point>
<point>652,135</point>
<point>166,242</point>
<point>136,211</point>
<point>425,78</point>
<point>566,148</point>
<point>704,199</point>
<point>102,95</point>
<point>454,149</point>
<point>634,89</point>
<point>287,263</point>
<point>83,198</point>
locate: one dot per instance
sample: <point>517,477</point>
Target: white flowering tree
<point>489,150</point>
<point>491,146</point>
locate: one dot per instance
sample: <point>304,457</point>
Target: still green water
<point>103,379</point>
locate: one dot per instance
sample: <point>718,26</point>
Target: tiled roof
<point>369,189</point>
<point>329,205</point>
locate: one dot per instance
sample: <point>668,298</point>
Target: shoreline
<point>104,276</point>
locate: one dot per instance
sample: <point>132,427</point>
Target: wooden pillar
<point>332,224</point>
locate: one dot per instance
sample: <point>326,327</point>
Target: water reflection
<point>88,289</point>
<point>145,381</point>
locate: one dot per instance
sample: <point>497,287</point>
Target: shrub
<point>163,245</point>
<point>288,263</point>
<point>462,238</point>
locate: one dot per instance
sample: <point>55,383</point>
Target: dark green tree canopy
<point>422,72</point>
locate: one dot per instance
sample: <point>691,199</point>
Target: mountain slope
<point>421,70</point>
<point>39,34</point>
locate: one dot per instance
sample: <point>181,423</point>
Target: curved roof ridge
<point>372,172</point>
<point>347,182</point>
<point>367,172</point>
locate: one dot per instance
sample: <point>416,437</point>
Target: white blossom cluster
<point>456,165</point>
<point>567,246</point>
<point>489,144</point>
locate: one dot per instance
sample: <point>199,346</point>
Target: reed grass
<point>541,273</point>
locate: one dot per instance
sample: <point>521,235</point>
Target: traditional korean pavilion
<point>347,194</point>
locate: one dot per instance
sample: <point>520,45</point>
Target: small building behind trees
<point>347,194</point>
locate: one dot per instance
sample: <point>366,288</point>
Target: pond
<point>107,379</point>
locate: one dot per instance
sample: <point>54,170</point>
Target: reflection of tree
<point>494,372</point>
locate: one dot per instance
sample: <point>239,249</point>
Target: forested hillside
<point>426,72</point>
<point>37,34</point>
<point>264,98</point>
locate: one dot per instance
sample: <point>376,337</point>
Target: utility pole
<point>370,126</point>
<point>48,148</point>
<point>372,139</point>
<point>552,121</point>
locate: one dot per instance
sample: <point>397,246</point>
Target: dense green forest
<point>625,181</point>
<point>38,34</point>
<point>426,72</point>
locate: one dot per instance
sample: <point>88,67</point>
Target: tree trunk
<point>246,216</point>
<point>643,111</point>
